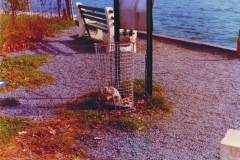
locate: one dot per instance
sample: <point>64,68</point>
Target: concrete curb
<point>191,43</point>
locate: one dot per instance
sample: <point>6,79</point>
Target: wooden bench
<point>101,20</point>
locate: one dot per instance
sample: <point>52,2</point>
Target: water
<point>213,21</point>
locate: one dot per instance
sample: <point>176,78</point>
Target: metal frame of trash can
<point>115,69</point>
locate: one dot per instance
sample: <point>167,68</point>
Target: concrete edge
<point>191,43</point>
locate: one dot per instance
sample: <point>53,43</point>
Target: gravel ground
<point>203,86</point>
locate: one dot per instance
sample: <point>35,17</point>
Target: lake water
<point>213,21</point>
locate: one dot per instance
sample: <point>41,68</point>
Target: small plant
<point>77,155</point>
<point>139,87</point>
<point>10,127</point>
<point>22,71</point>
<point>129,124</point>
<point>150,104</point>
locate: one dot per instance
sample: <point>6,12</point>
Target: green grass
<point>150,104</point>
<point>22,71</point>
<point>139,87</point>
<point>127,123</point>
<point>10,127</point>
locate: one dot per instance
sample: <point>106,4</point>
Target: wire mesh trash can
<point>115,75</point>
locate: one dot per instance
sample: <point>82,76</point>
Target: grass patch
<point>58,137</point>
<point>103,119</point>
<point>18,34</point>
<point>51,139</point>
<point>95,116</point>
<point>150,104</point>
<point>22,71</point>
<point>10,127</point>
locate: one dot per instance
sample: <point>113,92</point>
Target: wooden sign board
<point>133,14</point>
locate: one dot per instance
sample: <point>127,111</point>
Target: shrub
<point>16,34</point>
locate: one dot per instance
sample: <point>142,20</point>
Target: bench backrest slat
<point>103,16</point>
<point>92,8</point>
<point>95,19</point>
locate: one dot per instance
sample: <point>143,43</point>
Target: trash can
<point>115,75</point>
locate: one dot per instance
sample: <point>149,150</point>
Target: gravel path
<point>204,88</point>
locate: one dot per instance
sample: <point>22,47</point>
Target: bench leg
<point>133,39</point>
<point>98,35</point>
<point>82,28</point>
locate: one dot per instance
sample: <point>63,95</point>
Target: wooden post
<point>238,43</point>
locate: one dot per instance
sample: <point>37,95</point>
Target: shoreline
<point>193,44</point>
<point>190,43</point>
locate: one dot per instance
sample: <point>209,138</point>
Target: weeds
<point>103,119</point>
<point>19,34</point>
<point>150,104</point>
<point>95,116</point>
<point>22,71</point>
<point>51,139</point>
<point>10,127</point>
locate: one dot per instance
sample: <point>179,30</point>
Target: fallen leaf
<point>22,133</point>
<point>97,138</point>
<point>52,131</point>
